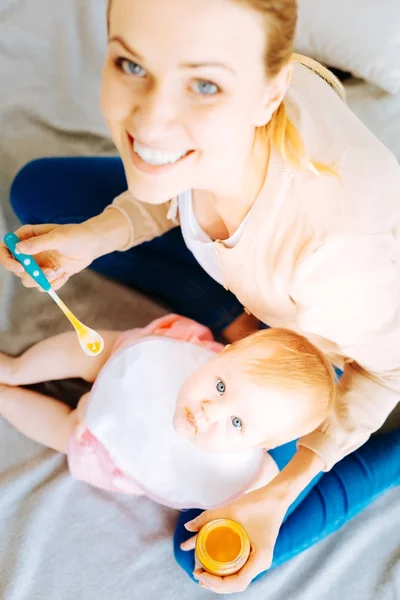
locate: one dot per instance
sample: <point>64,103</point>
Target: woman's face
<point>183,91</point>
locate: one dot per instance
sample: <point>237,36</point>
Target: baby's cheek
<point>178,424</point>
<point>219,442</point>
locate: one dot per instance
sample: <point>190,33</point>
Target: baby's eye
<point>220,386</point>
<point>237,423</point>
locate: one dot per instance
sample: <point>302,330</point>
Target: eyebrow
<point>122,42</point>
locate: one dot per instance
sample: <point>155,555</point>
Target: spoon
<point>90,341</point>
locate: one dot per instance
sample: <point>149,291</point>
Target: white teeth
<point>156,157</point>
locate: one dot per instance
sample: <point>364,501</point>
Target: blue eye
<point>220,387</point>
<point>205,88</point>
<point>129,67</point>
<point>237,423</point>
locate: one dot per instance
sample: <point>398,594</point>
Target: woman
<point>284,199</point>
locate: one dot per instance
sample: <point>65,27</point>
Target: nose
<point>209,414</point>
<point>155,112</point>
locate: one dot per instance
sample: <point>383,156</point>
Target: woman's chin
<point>153,189</point>
<point>147,193</point>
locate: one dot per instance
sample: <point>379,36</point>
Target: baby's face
<point>221,409</point>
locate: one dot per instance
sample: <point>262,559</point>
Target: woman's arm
<point>63,250</point>
<point>349,293</point>
<point>145,221</point>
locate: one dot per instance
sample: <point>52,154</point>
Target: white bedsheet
<point>60,539</point>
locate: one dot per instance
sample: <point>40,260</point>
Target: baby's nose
<point>210,412</point>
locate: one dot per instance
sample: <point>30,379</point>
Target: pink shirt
<point>321,255</point>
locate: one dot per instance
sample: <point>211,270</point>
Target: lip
<point>190,418</point>
<point>145,167</point>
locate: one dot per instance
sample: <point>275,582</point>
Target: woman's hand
<point>261,513</point>
<point>60,250</point>
<point>63,250</point>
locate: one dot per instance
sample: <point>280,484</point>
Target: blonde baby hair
<point>286,358</point>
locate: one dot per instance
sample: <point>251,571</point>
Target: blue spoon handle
<point>28,262</point>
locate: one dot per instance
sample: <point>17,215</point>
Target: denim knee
<point>24,186</point>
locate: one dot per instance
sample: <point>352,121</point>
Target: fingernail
<point>54,273</point>
<point>22,246</point>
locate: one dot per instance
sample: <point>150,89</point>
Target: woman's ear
<point>274,94</point>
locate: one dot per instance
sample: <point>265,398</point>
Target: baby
<point>172,408</point>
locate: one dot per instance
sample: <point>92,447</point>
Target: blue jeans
<point>71,190</point>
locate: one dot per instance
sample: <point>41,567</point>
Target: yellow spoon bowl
<point>90,341</point>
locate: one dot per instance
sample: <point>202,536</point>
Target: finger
<point>28,231</point>
<point>59,282</point>
<point>41,243</point>
<point>197,523</point>
<point>189,544</point>
<point>8,262</point>
<point>256,564</point>
<point>213,583</point>
<point>27,281</point>
<point>52,275</point>
<point>14,266</point>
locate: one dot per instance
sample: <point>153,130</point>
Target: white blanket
<point>60,539</point>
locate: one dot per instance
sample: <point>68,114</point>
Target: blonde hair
<point>283,357</point>
<point>280,25</point>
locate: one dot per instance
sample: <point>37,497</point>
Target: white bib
<point>130,411</point>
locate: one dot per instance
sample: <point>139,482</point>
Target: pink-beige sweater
<point>320,255</point>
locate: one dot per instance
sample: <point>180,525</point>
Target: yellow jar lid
<point>222,547</point>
